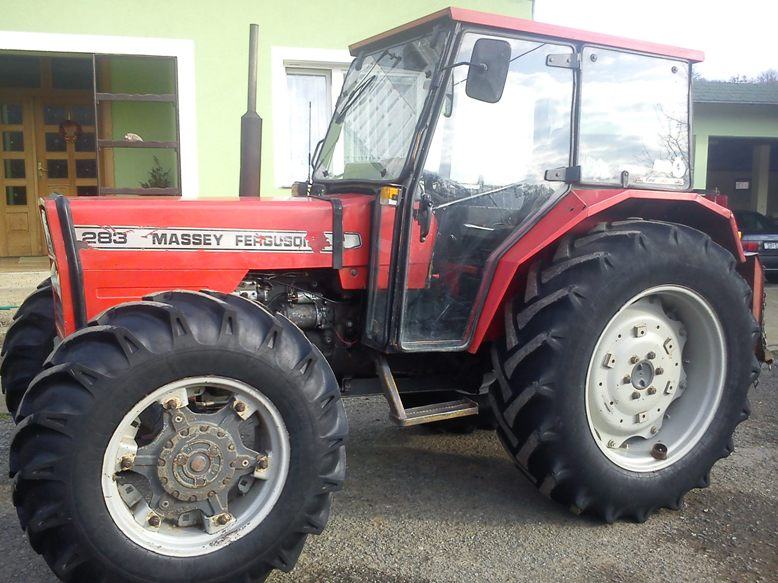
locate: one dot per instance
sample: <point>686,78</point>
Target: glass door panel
<point>67,147</point>
<point>483,177</point>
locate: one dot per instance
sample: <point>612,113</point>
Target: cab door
<point>483,178</point>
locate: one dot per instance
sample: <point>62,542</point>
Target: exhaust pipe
<point>251,128</point>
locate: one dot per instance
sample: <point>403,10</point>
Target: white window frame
<point>335,62</point>
<point>183,50</point>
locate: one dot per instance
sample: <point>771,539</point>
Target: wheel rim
<point>196,465</point>
<point>655,378</point>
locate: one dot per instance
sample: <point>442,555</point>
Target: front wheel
<point>626,367</point>
<point>29,340</point>
<point>192,437</point>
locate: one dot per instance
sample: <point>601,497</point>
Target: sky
<point>737,36</point>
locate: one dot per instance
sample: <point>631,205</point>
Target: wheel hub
<point>197,460</point>
<point>642,375</point>
<point>652,349</point>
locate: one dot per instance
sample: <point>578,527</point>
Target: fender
<point>577,212</point>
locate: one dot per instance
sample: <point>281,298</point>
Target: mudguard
<point>578,212</point>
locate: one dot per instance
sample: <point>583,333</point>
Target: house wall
<point>728,120</point>
<point>220,35</point>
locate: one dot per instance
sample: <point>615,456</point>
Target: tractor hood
<point>120,249</point>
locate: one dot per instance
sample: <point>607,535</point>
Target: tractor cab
<point>469,128</point>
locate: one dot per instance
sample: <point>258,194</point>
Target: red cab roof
<point>536,28</point>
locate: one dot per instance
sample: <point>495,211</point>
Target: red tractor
<point>498,227</point>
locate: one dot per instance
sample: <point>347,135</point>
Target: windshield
<point>376,116</point>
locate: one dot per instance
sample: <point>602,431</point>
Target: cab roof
<point>485,19</point>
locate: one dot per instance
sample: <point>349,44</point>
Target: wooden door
<point>20,226</point>
<point>66,146</point>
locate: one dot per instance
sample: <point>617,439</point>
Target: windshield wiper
<point>354,97</point>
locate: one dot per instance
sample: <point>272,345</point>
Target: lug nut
<point>240,406</point>
<point>626,380</point>
<point>193,498</point>
<point>653,430</point>
<point>651,390</point>
<point>634,360</point>
<point>160,462</point>
<point>154,520</point>
<point>651,355</point>
<point>659,371</point>
<point>171,404</point>
<point>635,395</point>
<point>223,518</point>
<point>126,462</point>
<point>211,494</point>
<point>203,428</point>
<point>262,462</point>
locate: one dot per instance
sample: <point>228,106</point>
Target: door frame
<point>183,50</point>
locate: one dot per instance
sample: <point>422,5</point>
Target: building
<point>736,142</point>
<point>145,97</point>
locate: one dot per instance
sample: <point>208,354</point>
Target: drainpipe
<point>251,128</point>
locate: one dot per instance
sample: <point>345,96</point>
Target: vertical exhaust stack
<point>251,128</point>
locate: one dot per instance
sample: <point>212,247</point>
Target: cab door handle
<point>424,216</point>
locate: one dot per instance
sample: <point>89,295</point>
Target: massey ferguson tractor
<point>498,227</point>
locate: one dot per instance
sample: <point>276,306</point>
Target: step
<point>436,412</point>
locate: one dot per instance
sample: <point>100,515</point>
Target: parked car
<point>760,234</point>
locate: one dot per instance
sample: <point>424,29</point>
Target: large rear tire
<point>29,340</point>
<point>625,368</point>
<point>191,437</point>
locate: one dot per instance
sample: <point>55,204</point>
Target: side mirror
<point>488,69</point>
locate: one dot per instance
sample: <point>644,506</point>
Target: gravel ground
<point>420,506</point>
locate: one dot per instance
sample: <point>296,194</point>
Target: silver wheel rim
<point>655,378</point>
<point>196,485</point>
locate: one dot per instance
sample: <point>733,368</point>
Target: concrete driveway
<point>420,506</point>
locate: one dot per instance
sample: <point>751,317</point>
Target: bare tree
<point>769,76</point>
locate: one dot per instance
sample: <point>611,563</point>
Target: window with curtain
<point>309,107</point>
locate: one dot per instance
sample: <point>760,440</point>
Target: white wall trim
<point>182,49</point>
<point>334,60</point>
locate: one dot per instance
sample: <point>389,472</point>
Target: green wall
<point>220,33</point>
<point>728,120</point>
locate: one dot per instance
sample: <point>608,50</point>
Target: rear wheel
<point>29,340</point>
<point>190,437</point>
<point>625,368</point>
